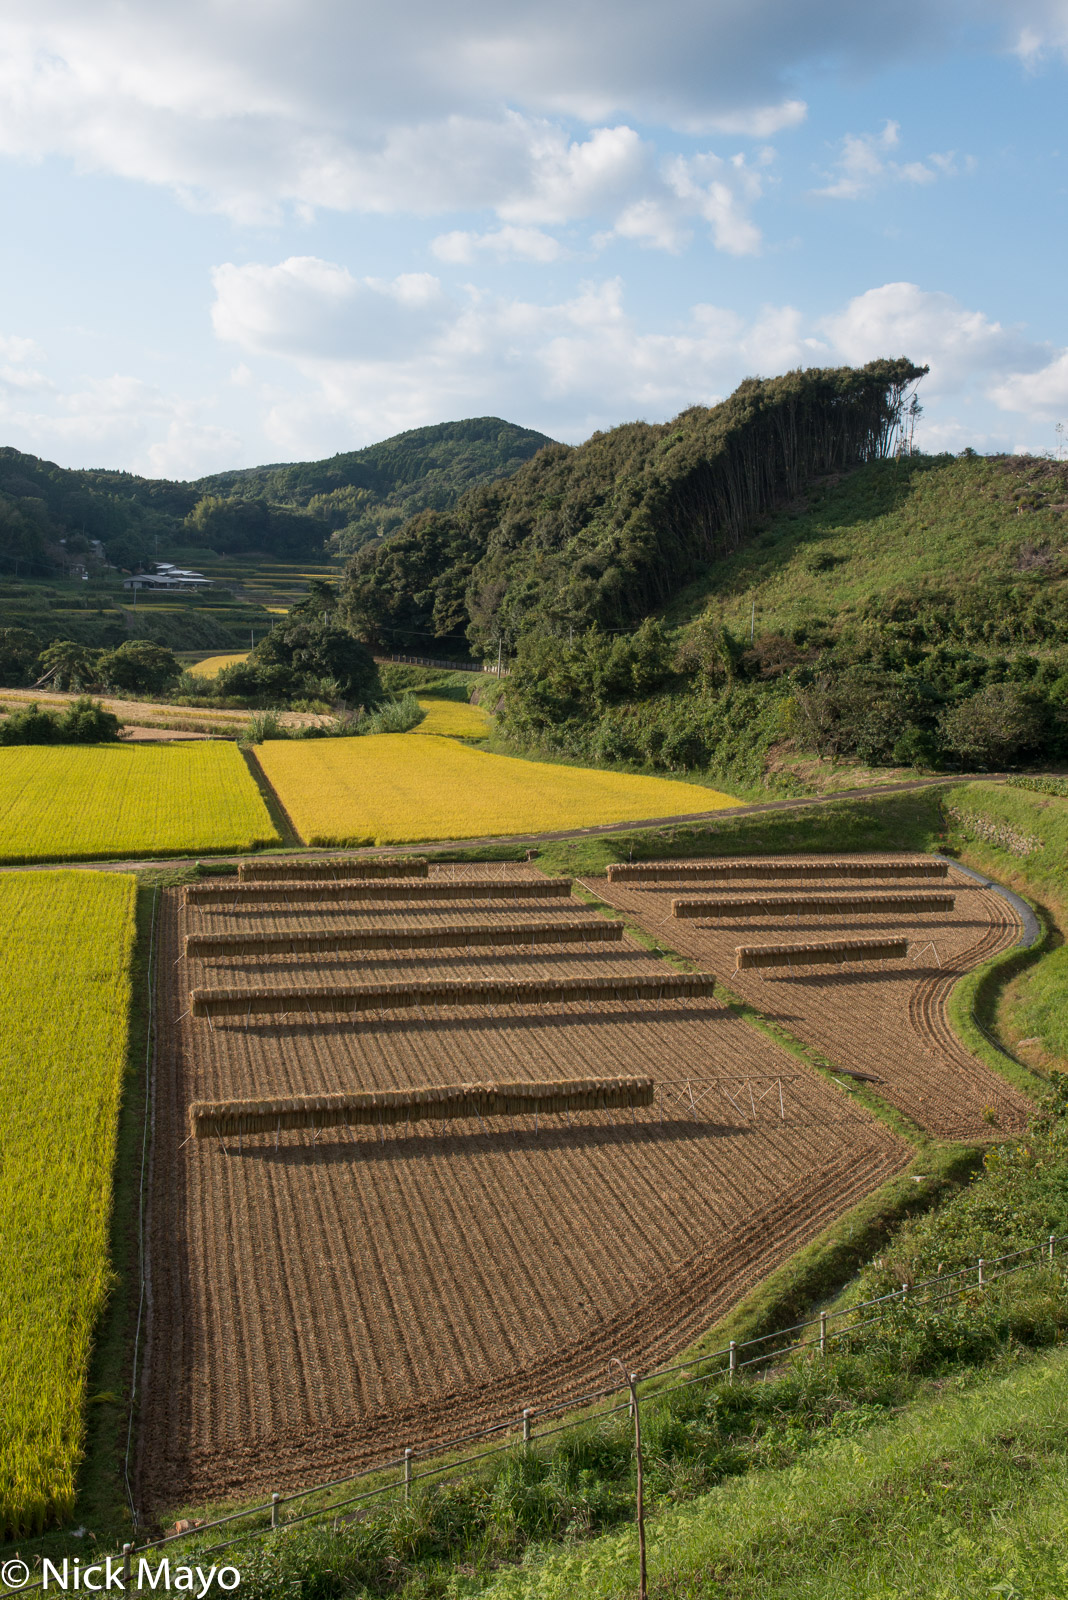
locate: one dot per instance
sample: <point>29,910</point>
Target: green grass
<point>73,803</point>
<point>66,942</point>
<point>962,1496</point>
<point>1021,837</point>
<point>909,821</point>
<point>924,525</point>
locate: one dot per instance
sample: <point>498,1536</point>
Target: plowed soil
<point>317,1306</point>
<point>886,1019</point>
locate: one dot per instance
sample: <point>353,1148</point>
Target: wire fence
<point>817,1334</point>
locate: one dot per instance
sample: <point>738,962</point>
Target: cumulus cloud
<point>585,361</point>
<point>246,106</point>
<point>117,421</point>
<point>864,165</point>
<point>503,244</point>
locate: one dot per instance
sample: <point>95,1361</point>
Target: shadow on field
<point>368,1147</point>
<point>469,1021</point>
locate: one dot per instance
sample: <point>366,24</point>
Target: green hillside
<point>925,549</point>
<point>607,533</point>
<point>362,494</point>
<point>51,515</point>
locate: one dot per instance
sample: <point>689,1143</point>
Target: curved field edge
<point>903,1503</point>
<point>65,1011</point>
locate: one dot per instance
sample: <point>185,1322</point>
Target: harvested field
<point>811,905</point>
<point>436,1103</point>
<point>832,952</point>
<point>331,869</point>
<point>319,1305</point>
<point>330,999</point>
<point>888,1024</point>
<point>236,897</point>
<point>447,936</point>
<point>773,869</point>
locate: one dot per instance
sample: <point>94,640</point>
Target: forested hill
<point>365,493</point>
<point>286,510</point>
<point>607,532</point>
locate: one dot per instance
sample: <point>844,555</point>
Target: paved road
<point>438,845</point>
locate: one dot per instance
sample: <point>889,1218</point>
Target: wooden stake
<point>632,1382</point>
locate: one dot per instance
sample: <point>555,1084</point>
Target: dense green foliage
<point>83,722</point>
<point>307,656</point>
<point>913,614</point>
<point>362,494</point>
<point>608,532</point>
<point>50,514</point>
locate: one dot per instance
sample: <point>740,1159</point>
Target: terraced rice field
<point>71,803</point>
<point>65,947</point>
<point>320,1302</point>
<point>211,666</point>
<point>393,789</point>
<point>885,1020</point>
<point>453,719</point>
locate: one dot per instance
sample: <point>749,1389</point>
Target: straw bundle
<point>246,894</point>
<point>387,1107</point>
<point>444,992</point>
<point>815,905</point>
<point>831,951</point>
<point>452,936</point>
<point>330,870</point>
<point>803,871</point>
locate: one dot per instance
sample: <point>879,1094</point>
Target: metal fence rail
<point>266,1518</point>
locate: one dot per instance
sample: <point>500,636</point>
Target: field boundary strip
<point>738,1356</point>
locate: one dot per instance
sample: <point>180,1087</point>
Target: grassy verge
<point>926,1506</point>
<point>909,821</point>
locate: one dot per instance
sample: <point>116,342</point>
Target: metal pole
<point>632,1381</point>
<point>407,1476</point>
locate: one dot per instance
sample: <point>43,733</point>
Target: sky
<point>248,231</point>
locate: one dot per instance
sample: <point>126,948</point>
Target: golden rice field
<point>70,803</point>
<point>392,789</point>
<point>211,666</point>
<point>66,941</point>
<point>454,719</point>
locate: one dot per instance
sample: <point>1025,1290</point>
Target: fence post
<point>526,1426</point>
<point>982,1264</point>
<point>733,1359</point>
<point>632,1380</point>
<point>407,1476</point>
<point>274,1508</point>
<point>1052,1242</point>
<point>126,1562</point>
<point>904,1292</point>
<point>823,1333</point>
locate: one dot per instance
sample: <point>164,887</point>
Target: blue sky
<point>240,232</point>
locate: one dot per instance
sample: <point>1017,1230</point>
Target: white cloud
<point>504,244</point>
<point>118,421</point>
<point>1043,393</point>
<point>585,362</point>
<point>864,165</point>
<point>245,106</point>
